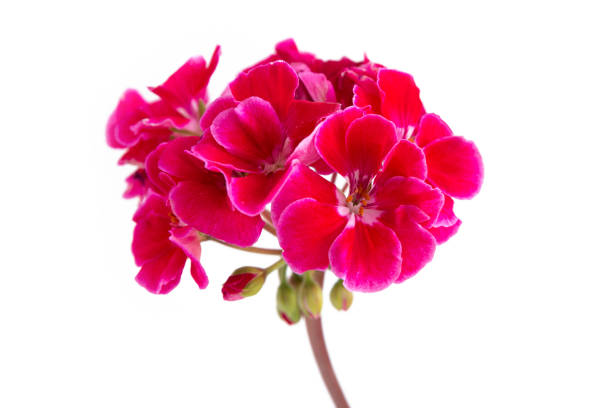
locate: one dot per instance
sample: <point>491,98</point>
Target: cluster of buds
<point>338,159</point>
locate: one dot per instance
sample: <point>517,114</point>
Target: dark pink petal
<point>251,193</point>
<point>303,183</point>
<point>303,116</point>
<point>150,239</point>
<point>148,141</point>
<point>131,109</point>
<point>455,166</point>
<point>431,128</point>
<point>188,240</point>
<point>367,93</point>
<point>405,159</point>
<point>216,157</point>
<point>330,138</point>
<point>400,100</point>
<point>250,131</point>
<point>188,84</point>
<point>418,245</point>
<point>443,234</point>
<point>275,82</point>
<point>153,205</point>
<point>447,216</point>
<point>162,274</point>
<point>288,51</point>
<point>306,231</point>
<point>178,164</point>
<point>368,140</point>
<point>318,87</point>
<point>399,191</point>
<point>366,256</point>
<point>137,184</point>
<point>216,107</point>
<point>206,207</point>
<point>160,181</point>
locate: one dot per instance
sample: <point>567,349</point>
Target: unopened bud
<point>310,297</point>
<point>244,282</point>
<point>287,303</point>
<point>296,280</point>
<point>341,297</point>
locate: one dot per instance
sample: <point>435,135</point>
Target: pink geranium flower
<point>161,247</point>
<point>198,197</point>
<point>256,136</point>
<point>377,234</point>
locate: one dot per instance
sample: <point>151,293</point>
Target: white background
<point>514,311</point>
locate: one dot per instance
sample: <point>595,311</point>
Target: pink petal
<point>418,245</point>
<point>137,184</point>
<point>405,159</point>
<point>160,181</point>
<point>188,240</point>
<point>455,166</point>
<point>162,274</point>
<point>174,161</point>
<point>368,140</point>
<point>131,109</point>
<point>447,216</point>
<point>399,191</point>
<point>250,131</point>
<point>150,238</point>
<point>206,207</point>
<point>306,231</point>
<point>330,138</point>
<point>188,83</point>
<point>400,100</point>
<point>367,93</point>
<point>216,107</point>
<point>443,234</point>
<point>153,205</point>
<point>303,183</point>
<point>431,128</point>
<point>366,256</point>
<point>251,193</point>
<point>148,141</point>
<point>318,86</point>
<point>275,82</point>
<point>303,116</point>
<point>216,157</point>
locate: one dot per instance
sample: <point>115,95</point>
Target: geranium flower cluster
<point>339,159</point>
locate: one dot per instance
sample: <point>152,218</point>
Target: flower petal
<point>131,109</point>
<point>303,183</point>
<point>216,157</point>
<point>399,191</point>
<point>275,82</point>
<point>431,128</point>
<point>162,274</point>
<point>318,86</point>
<point>251,193</point>
<point>447,216</point>
<point>330,138</point>
<point>303,116</point>
<point>306,231</point>
<point>188,83</point>
<point>206,207</point>
<point>400,100</point>
<point>405,159</point>
<point>366,256</point>
<point>250,131</point>
<point>216,107</point>
<point>455,166</point>
<point>176,162</point>
<point>368,141</point>
<point>443,234</point>
<point>188,240</point>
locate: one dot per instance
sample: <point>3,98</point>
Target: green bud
<point>310,297</point>
<point>341,297</point>
<point>287,303</point>
<point>244,282</point>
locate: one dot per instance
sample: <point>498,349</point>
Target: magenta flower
<point>197,196</point>
<point>377,234</point>
<point>161,247</point>
<point>256,139</point>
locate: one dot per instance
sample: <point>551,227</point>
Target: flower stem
<point>319,349</point>
<point>314,329</point>
<point>257,250</point>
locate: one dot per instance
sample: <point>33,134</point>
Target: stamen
<point>360,210</point>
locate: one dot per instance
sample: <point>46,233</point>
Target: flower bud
<point>310,297</point>
<point>287,303</point>
<point>341,297</point>
<point>296,280</point>
<point>244,282</point>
